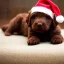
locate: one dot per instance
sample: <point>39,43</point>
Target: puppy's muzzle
<point>39,25</point>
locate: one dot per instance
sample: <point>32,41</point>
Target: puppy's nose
<point>39,24</point>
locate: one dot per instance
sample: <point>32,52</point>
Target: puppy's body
<point>37,26</point>
<point>17,25</point>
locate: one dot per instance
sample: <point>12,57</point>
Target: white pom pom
<point>60,19</point>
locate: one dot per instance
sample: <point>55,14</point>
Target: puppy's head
<point>40,22</point>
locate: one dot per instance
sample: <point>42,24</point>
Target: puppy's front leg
<point>32,38</point>
<point>56,37</point>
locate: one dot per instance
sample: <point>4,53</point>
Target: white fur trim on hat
<point>60,19</point>
<point>42,9</point>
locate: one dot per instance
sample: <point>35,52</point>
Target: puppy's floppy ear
<point>54,22</point>
<point>28,19</point>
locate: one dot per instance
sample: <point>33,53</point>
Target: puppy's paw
<point>33,40</point>
<point>56,39</point>
<point>7,33</point>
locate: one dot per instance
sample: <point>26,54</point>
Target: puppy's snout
<point>39,24</point>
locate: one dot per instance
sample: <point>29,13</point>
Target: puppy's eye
<point>33,17</point>
<point>48,17</point>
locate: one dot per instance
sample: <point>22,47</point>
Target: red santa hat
<point>49,8</point>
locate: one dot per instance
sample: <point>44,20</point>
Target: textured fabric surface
<point>14,50</point>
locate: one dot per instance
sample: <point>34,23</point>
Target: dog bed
<point>15,50</point>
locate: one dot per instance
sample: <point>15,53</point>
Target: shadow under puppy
<point>37,26</point>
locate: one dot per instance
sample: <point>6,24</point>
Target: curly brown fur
<point>37,26</point>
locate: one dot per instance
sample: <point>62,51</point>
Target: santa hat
<point>49,8</point>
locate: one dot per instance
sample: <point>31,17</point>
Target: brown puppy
<point>39,27</point>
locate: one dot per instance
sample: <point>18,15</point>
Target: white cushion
<point>14,50</point>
